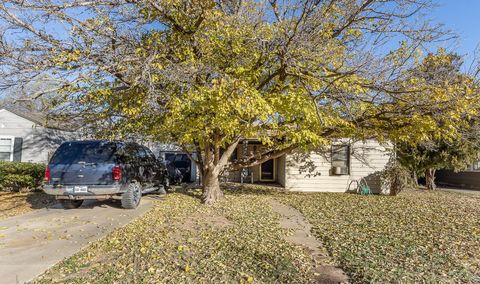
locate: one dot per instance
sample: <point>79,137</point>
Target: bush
<point>20,176</point>
<point>396,178</point>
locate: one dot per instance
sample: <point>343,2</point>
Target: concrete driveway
<point>32,243</point>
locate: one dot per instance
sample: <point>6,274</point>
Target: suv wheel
<point>131,197</point>
<point>161,189</point>
<point>71,204</point>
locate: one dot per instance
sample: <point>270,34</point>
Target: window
<point>6,148</point>
<point>150,154</point>
<point>127,153</point>
<point>340,159</point>
<point>141,153</point>
<point>88,152</point>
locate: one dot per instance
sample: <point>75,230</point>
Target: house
<point>336,170</point>
<point>29,137</point>
<point>467,179</point>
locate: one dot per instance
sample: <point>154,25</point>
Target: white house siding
<point>38,142</point>
<point>281,170</point>
<point>375,158</point>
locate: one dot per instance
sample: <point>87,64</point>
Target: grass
<point>17,203</point>
<point>424,237</point>
<point>180,240</point>
<point>416,237</point>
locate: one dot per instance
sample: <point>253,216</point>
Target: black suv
<point>81,170</point>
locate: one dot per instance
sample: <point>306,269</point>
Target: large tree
<point>445,150</point>
<point>206,74</point>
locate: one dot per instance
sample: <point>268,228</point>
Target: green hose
<point>365,190</point>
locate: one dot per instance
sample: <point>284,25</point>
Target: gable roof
<point>44,120</point>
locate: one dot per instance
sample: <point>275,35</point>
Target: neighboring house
<point>468,179</point>
<point>30,137</point>
<point>335,171</point>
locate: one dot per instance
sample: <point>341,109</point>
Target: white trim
<point>12,138</point>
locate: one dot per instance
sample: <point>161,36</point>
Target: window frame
<point>333,150</point>
<point>12,145</point>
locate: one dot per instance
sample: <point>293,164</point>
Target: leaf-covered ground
<point>416,237</point>
<point>16,203</point>
<point>180,240</point>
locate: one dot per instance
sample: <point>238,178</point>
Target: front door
<point>267,171</point>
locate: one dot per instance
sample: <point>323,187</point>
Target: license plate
<point>80,188</point>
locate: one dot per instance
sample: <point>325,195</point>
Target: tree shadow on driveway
<point>39,200</point>
<point>108,203</point>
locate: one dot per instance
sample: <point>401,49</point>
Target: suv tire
<point>161,189</point>
<point>71,204</point>
<point>131,197</point>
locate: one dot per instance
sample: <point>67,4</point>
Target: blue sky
<point>462,17</point>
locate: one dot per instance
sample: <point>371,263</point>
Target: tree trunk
<point>430,179</point>
<point>415,179</point>
<point>211,187</point>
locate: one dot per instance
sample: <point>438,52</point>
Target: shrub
<point>396,178</point>
<point>16,176</point>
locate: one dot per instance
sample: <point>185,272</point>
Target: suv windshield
<point>88,152</point>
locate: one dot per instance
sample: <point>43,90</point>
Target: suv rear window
<point>88,152</point>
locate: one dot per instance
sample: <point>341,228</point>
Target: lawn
<point>16,203</point>
<point>429,237</point>
<point>426,237</point>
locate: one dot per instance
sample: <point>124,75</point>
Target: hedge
<point>17,177</point>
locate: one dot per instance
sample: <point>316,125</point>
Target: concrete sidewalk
<point>32,243</point>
